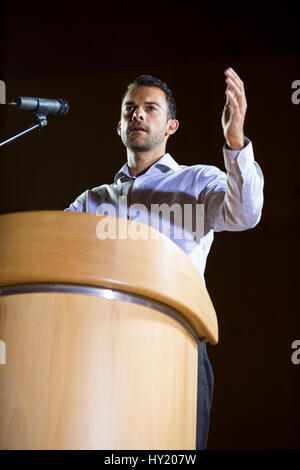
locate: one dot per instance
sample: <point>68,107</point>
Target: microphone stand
<point>41,121</point>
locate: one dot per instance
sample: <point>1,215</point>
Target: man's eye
<point>152,108</point>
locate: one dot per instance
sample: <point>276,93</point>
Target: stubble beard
<point>146,144</point>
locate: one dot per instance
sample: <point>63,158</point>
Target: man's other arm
<point>233,200</point>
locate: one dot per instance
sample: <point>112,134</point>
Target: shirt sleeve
<point>79,205</point>
<point>233,200</point>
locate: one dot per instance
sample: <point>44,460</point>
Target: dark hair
<point>148,80</point>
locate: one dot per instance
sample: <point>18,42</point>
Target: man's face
<point>144,121</point>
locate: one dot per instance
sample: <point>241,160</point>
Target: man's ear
<point>172,127</point>
<point>119,128</point>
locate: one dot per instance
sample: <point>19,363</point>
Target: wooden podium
<point>98,337</point>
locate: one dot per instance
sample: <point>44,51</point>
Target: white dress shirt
<point>198,200</point>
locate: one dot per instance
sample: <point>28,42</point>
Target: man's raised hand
<point>234,112</point>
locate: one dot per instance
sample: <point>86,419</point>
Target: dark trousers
<point>204,396</point>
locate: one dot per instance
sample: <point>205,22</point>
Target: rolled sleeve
<point>235,199</point>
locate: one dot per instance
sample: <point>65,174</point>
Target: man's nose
<point>138,114</point>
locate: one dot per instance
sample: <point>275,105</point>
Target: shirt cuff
<point>239,161</point>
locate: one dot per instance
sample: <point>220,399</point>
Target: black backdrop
<point>87,55</point>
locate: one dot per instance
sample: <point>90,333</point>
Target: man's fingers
<point>236,86</point>
<point>236,91</point>
<point>230,72</point>
<point>234,110</point>
<point>232,100</point>
<point>234,81</point>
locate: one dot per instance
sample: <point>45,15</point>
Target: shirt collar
<point>165,164</point>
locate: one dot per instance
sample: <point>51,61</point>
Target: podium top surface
<point>66,247</point>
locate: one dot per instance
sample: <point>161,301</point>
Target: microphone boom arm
<point>41,121</point>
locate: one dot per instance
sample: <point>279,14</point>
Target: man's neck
<point>139,161</point>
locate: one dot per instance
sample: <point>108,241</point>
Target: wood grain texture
<point>56,246</point>
<point>84,372</point>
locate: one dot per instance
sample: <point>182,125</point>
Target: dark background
<point>87,55</point>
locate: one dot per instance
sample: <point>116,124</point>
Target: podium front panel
<point>89,372</point>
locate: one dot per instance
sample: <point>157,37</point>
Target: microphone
<point>58,106</point>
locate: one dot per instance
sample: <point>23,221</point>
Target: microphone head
<point>64,109</point>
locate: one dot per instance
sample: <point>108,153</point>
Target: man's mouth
<point>137,130</point>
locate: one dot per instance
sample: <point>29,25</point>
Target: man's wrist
<point>236,144</point>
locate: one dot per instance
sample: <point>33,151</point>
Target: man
<point>232,201</point>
